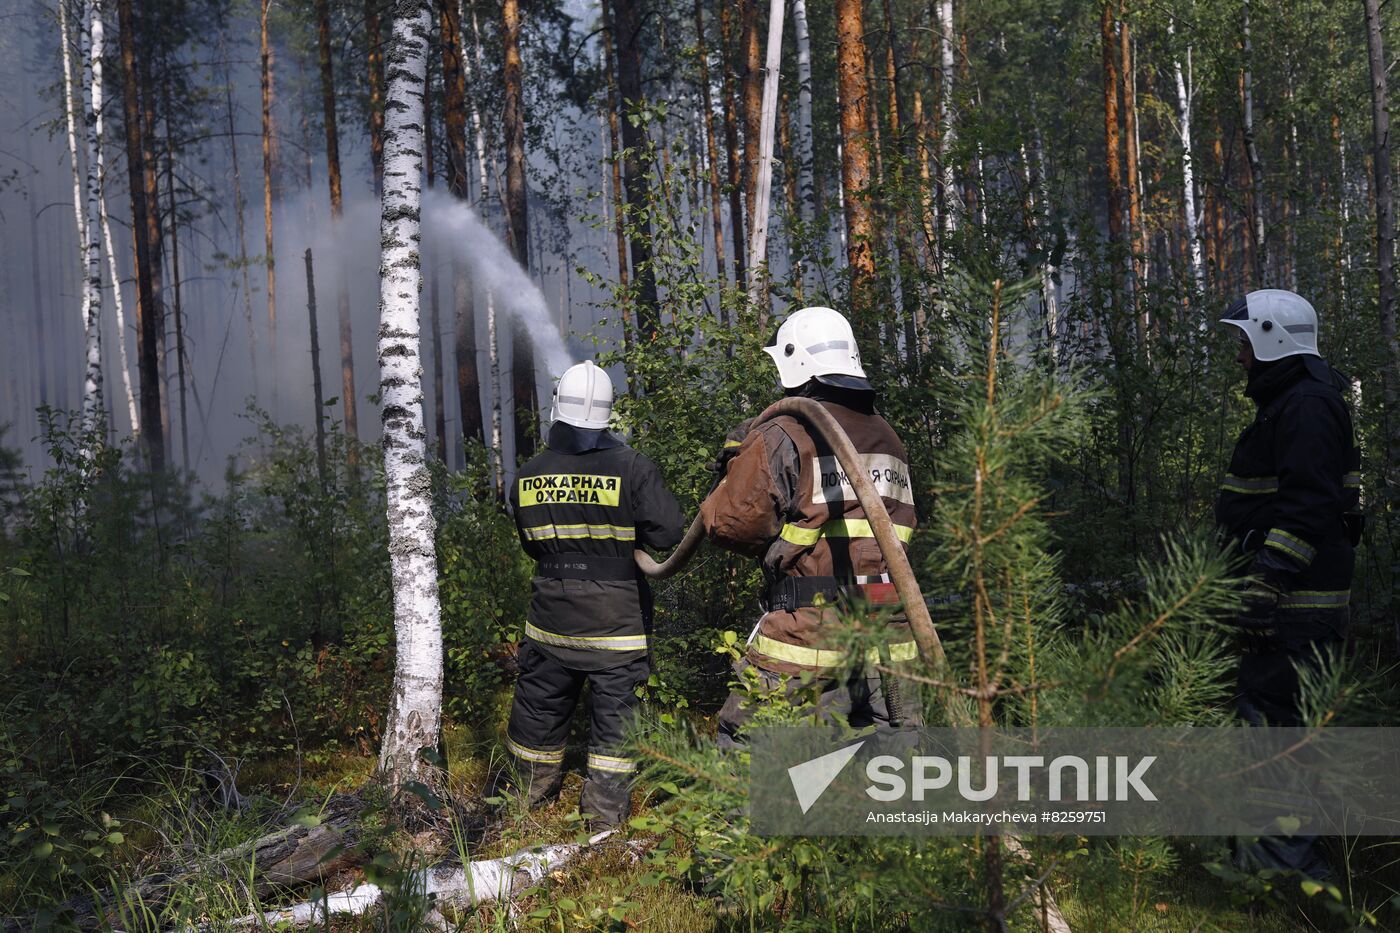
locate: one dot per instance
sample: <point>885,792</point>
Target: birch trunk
<point>806,183</point>
<point>945,108</point>
<point>763,182</point>
<point>92,416</point>
<point>416,704</point>
<point>1185,92</point>
<point>270,256</point>
<point>1256,168</point>
<point>70,110</point>
<point>1385,236</point>
<point>118,303</point>
<point>152,430</point>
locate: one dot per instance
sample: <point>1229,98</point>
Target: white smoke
<point>454,229</point>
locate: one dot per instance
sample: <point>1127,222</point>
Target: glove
<point>730,448</point>
<point>1260,603</point>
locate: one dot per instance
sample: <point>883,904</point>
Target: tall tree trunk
<point>628,37</point>
<point>1251,147</point>
<point>317,397</point>
<point>1385,240</point>
<point>71,102</point>
<point>347,345</point>
<point>1113,155</point>
<point>751,93</point>
<point>619,207</point>
<point>152,432</point>
<point>269,255</point>
<point>175,275</point>
<point>763,165</point>
<point>375,65</point>
<point>150,178</point>
<point>702,54</point>
<point>948,130</point>
<point>416,705</point>
<point>1136,236</point>
<point>806,182</point>
<point>855,166</point>
<point>731,137</point>
<point>518,227</point>
<point>454,82</point>
<point>238,207</point>
<point>430,263</point>
<point>1185,91</point>
<point>93,415</point>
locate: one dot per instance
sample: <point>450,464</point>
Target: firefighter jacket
<point>1293,479</point>
<point>581,507</point>
<point>786,500</point>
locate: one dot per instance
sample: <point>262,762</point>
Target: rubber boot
<point>541,783</point>
<point>606,800</point>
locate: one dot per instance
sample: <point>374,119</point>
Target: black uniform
<point>581,507</point>
<point>1288,500</point>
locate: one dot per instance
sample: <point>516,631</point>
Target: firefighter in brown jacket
<point>784,499</point>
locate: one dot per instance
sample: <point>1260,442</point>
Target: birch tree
<point>948,129</point>
<point>806,184</point>
<point>1185,93</point>
<point>94,45</point>
<point>70,107</point>
<point>416,701</point>
<point>763,182</point>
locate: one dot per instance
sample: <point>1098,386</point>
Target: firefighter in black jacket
<point>581,507</point>
<point>1289,501</point>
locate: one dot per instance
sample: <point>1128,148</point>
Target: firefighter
<point>581,507</point>
<point>784,499</point>
<point>1289,501</point>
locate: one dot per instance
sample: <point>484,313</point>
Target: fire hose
<point>901,573</point>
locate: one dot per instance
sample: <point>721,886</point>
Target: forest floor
<point>611,890</point>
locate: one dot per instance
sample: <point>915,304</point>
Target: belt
<point>586,567</point>
<point>792,593</point>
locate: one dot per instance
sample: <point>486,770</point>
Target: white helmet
<point>583,397</point>
<point>817,342</point>
<point>1278,323</point>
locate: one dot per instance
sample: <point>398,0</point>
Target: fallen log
<point>454,886</point>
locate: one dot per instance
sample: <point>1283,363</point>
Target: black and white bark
<point>94,47</point>
<point>1185,106</point>
<point>416,702</point>
<point>763,184</point>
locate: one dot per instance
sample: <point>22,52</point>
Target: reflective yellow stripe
<point>1351,481</point>
<point>825,658</point>
<point>1291,545</point>
<point>610,763</point>
<point>1315,599</point>
<point>729,443</point>
<point>839,528</point>
<point>601,532</point>
<point>605,642</point>
<point>1249,485</point>
<point>542,755</point>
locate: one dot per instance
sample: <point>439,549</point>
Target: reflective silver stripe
<point>548,756</point>
<point>1351,481</point>
<point>1315,599</point>
<point>864,578</point>
<point>611,763</point>
<point>829,345</point>
<point>1290,544</point>
<point>1300,328</point>
<point>1249,485</point>
<point>825,658</point>
<point>604,642</point>
<point>601,532</point>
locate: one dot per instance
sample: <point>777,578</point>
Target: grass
<point>609,889</point>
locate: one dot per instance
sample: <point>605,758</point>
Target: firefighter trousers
<point>545,698</point>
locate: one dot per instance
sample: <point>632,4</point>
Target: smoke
<point>452,227</point>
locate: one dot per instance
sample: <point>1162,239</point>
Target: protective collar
<point>567,439</point>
